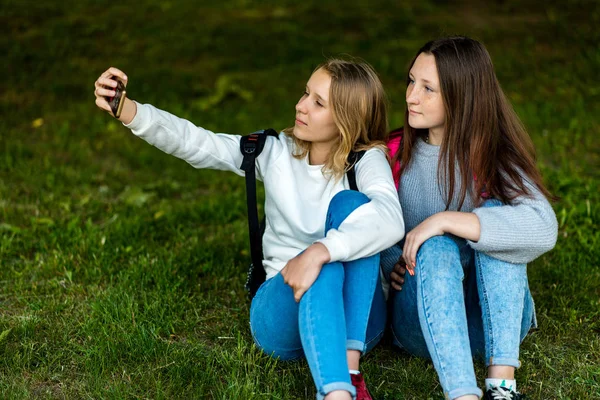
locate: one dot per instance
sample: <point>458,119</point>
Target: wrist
<point>129,111</point>
<point>319,253</point>
<point>442,221</point>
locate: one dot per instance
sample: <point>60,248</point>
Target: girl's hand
<point>432,226</point>
<point>104,87</point>
<point>304,269</point>
<point>397,275</point>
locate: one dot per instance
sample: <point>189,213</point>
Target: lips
<point>413,112</point>
<point>300,122</point>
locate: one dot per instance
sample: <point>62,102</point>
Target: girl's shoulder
<point>373,158</point>
<point>275,148</point>
<point>374,153</point>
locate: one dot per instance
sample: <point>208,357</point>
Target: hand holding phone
<point>116,102</point>
<point>109,90</point>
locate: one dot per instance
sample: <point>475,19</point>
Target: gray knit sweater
<point>517,233</point>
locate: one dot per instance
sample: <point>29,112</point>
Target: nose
<point>301,106</point>
<point>412,96</point>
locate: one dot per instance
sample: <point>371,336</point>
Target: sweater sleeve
<point>197,146</point>
<point>517,233</point>
<point>374,226</point>
<point>389,258</point>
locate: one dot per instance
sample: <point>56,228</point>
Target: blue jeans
<point>343,310</point>
<point>461,303</point>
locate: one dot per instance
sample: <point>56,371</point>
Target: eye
<point>428,89</point>
<point>411,81</point>
<point>305,94</point>
<point>319,103</point>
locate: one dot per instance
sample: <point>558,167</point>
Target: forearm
<point>181,138</point>
<point>462,224</point>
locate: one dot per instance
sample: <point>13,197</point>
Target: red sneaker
<point>361,388</point>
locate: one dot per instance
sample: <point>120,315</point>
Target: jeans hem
<point>330,387</point>
<point>453,394</point>
<point>510,362</point>
<point>357,345</point>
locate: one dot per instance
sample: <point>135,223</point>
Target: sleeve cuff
<point>141,118</point>
<point>337,250</point>
<point>481,244</point>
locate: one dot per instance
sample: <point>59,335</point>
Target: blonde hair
<point>358,104</point>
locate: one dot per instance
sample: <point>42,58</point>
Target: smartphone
<point>116,102</point>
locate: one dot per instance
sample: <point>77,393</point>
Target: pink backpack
<point>393,144</point>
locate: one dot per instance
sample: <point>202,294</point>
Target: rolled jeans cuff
<point>352,344</point>
<point>510,362</point>
<point>456,393</point>
<point>330,387</point>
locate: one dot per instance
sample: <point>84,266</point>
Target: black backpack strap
<point>251,146</point>
<point>353,158</point>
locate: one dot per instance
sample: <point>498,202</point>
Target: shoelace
<point>500,393</point>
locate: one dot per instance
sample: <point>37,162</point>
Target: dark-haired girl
<point>476,212</point>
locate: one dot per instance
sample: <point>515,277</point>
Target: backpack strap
<point>251,146</point>
<point>353,158</point>
<point>394,143</point>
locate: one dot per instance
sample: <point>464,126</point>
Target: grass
<point>122,268</point>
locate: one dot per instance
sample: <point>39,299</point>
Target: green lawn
<point>122,268</point>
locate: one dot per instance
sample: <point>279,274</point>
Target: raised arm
<point>197,146</point>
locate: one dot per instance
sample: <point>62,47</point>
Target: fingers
<point>400,269</point>
<point>103,104</point>
<point>397,278</point>
<point>409,254</point>
<point>103,91</point>
<point>105,85</point>
<point>298,293</point>
<point>405,251</point>
<point>396,281</point>
<point>112,71</point>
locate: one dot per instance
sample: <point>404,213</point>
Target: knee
<point>342,205</point>
<point>330,278</point>
<point>439,244</point>
<point>441,255</point>
<point>439,247</point>
<point>348,199</point>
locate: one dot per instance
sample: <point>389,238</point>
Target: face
<point>423,96</point>
<point>314,116</point>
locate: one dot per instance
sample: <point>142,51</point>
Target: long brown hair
<point>483,136</point>
<point>358,103</point>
